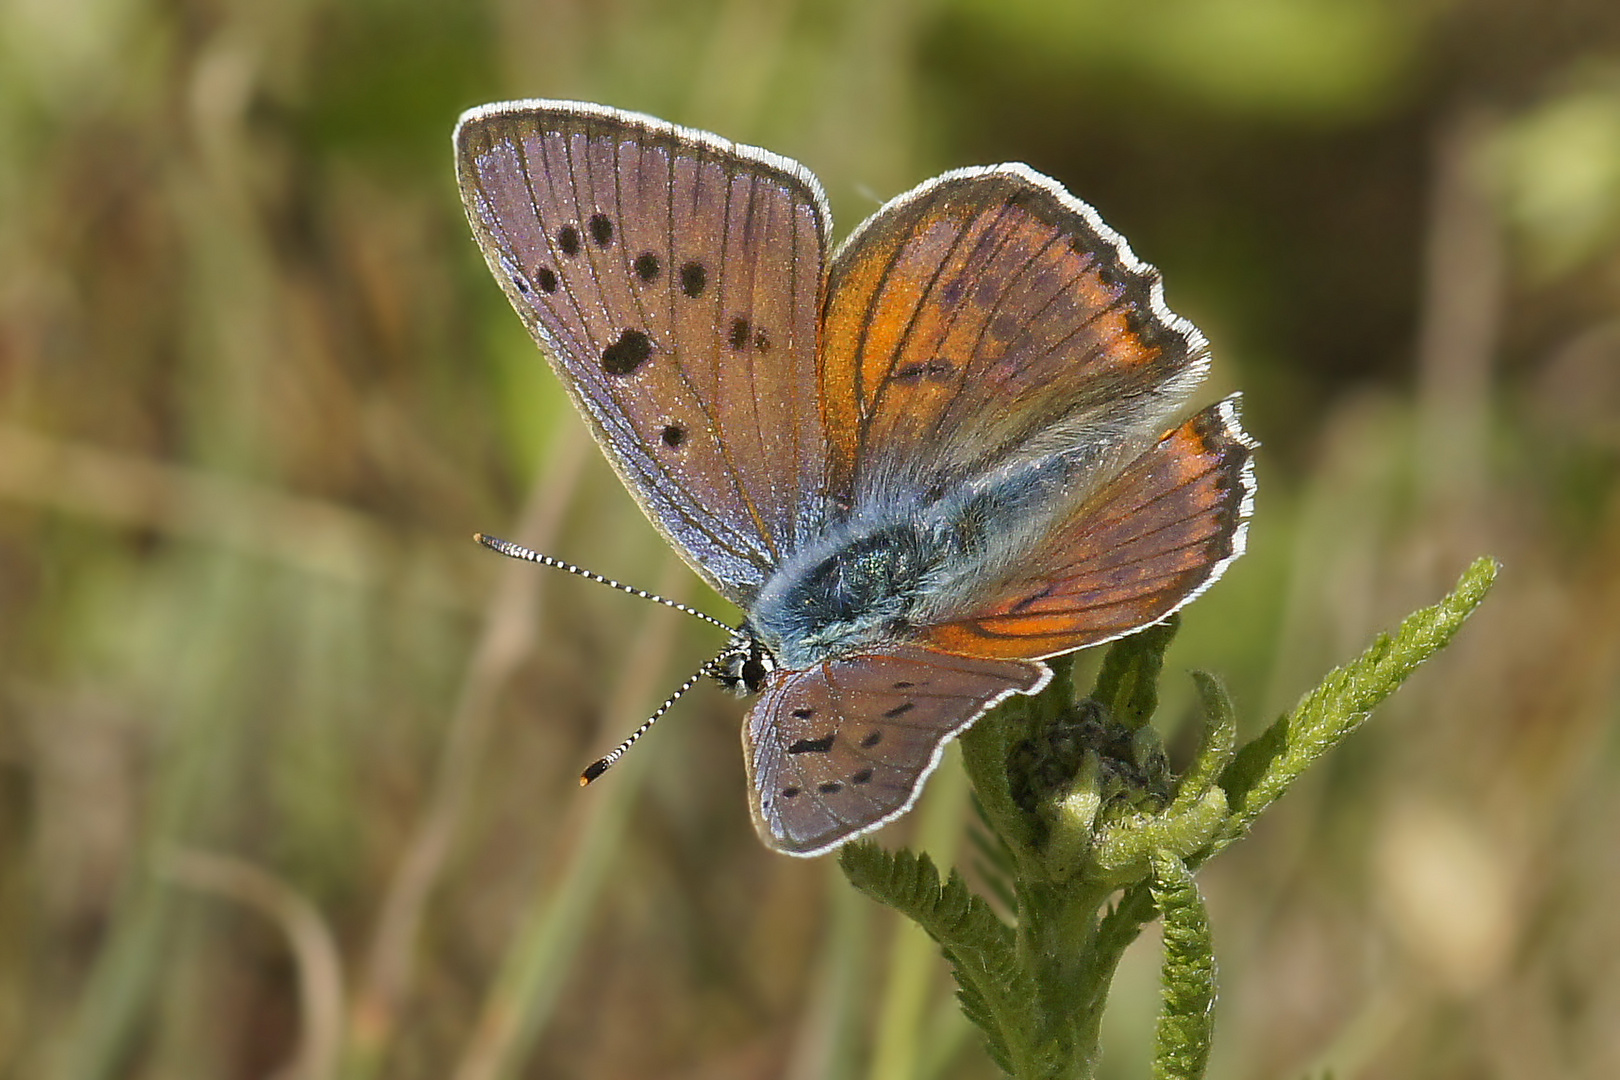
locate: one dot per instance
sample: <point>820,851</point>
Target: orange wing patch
<point>967,320</point>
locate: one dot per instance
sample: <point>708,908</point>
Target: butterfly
<point>919,463</point>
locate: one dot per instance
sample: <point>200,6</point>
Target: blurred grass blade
<point>531,978</point>
<point>315,954</point>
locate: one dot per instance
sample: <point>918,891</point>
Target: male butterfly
<point>919,465</point>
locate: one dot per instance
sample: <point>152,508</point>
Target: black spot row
<point>918,370</point>
<point>742,335</point>
<point>673,435</point>
<point>900,710</point>
<point>601,230</point>
<point>647,267</point>
<point>829,787</point>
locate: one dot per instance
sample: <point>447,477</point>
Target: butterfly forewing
<point>845,746</point>
<point>987,315</point>
<point>1143,545</point>
<point>673,280</point>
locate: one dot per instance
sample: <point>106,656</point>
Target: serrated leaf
<point>1264,768</point>
<point>1181,1040</point>
<point>994,993</point>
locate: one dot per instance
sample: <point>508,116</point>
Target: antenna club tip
<point>596,769</point>
<point>480,538</point>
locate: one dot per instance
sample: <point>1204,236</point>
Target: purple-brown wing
<point>673,280</point>
<point>842,748</point>
<point>1147,542</point>
<point>989,317</point>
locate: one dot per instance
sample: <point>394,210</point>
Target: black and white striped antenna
<point>518,551</point>
<point>603,764</point>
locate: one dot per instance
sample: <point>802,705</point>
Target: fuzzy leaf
<point>1263,769</point>
<point>1182,1040</point>
<point>993,992</point>
<point>1128,683</point>
<point>1220,737</point>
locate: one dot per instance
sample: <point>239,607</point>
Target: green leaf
<point>994,993</point>
<point>1125,850</point>
<point>1264,768</point>
<point>1220,738</point>
<point>1187,1021</point>
<point>1128,683</point>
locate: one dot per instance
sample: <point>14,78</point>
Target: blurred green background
<point>287,765</point>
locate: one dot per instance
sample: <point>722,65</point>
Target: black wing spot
<point>628,353</point>
<point>900,710</point>
<point>568,240</point>
<point>804,714</point>
<point>762,341</point>
<point>673,435</point>
<point>601,230</point>
<point>790,792</point>
<point>903,685</point>
<point>647,266</point>
<point>814,746</point>
<point>918,370</point>
<point>523,286</point>
<point>1146,327</point>
<point>1112,274</point>
<point>831,787</point>
<point>694,279</point>
<point>739,334</point>
<point>546,278</point>
<point>872,739</point>
<point>862,777</point>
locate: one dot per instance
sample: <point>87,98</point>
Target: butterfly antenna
<point>602,765</point>
<point>518,551</point>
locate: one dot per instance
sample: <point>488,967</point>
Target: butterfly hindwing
<point>837,750</point>
<point>1145,543</point>
<point>673,279</point>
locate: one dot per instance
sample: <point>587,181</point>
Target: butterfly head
<point>744,665</point>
